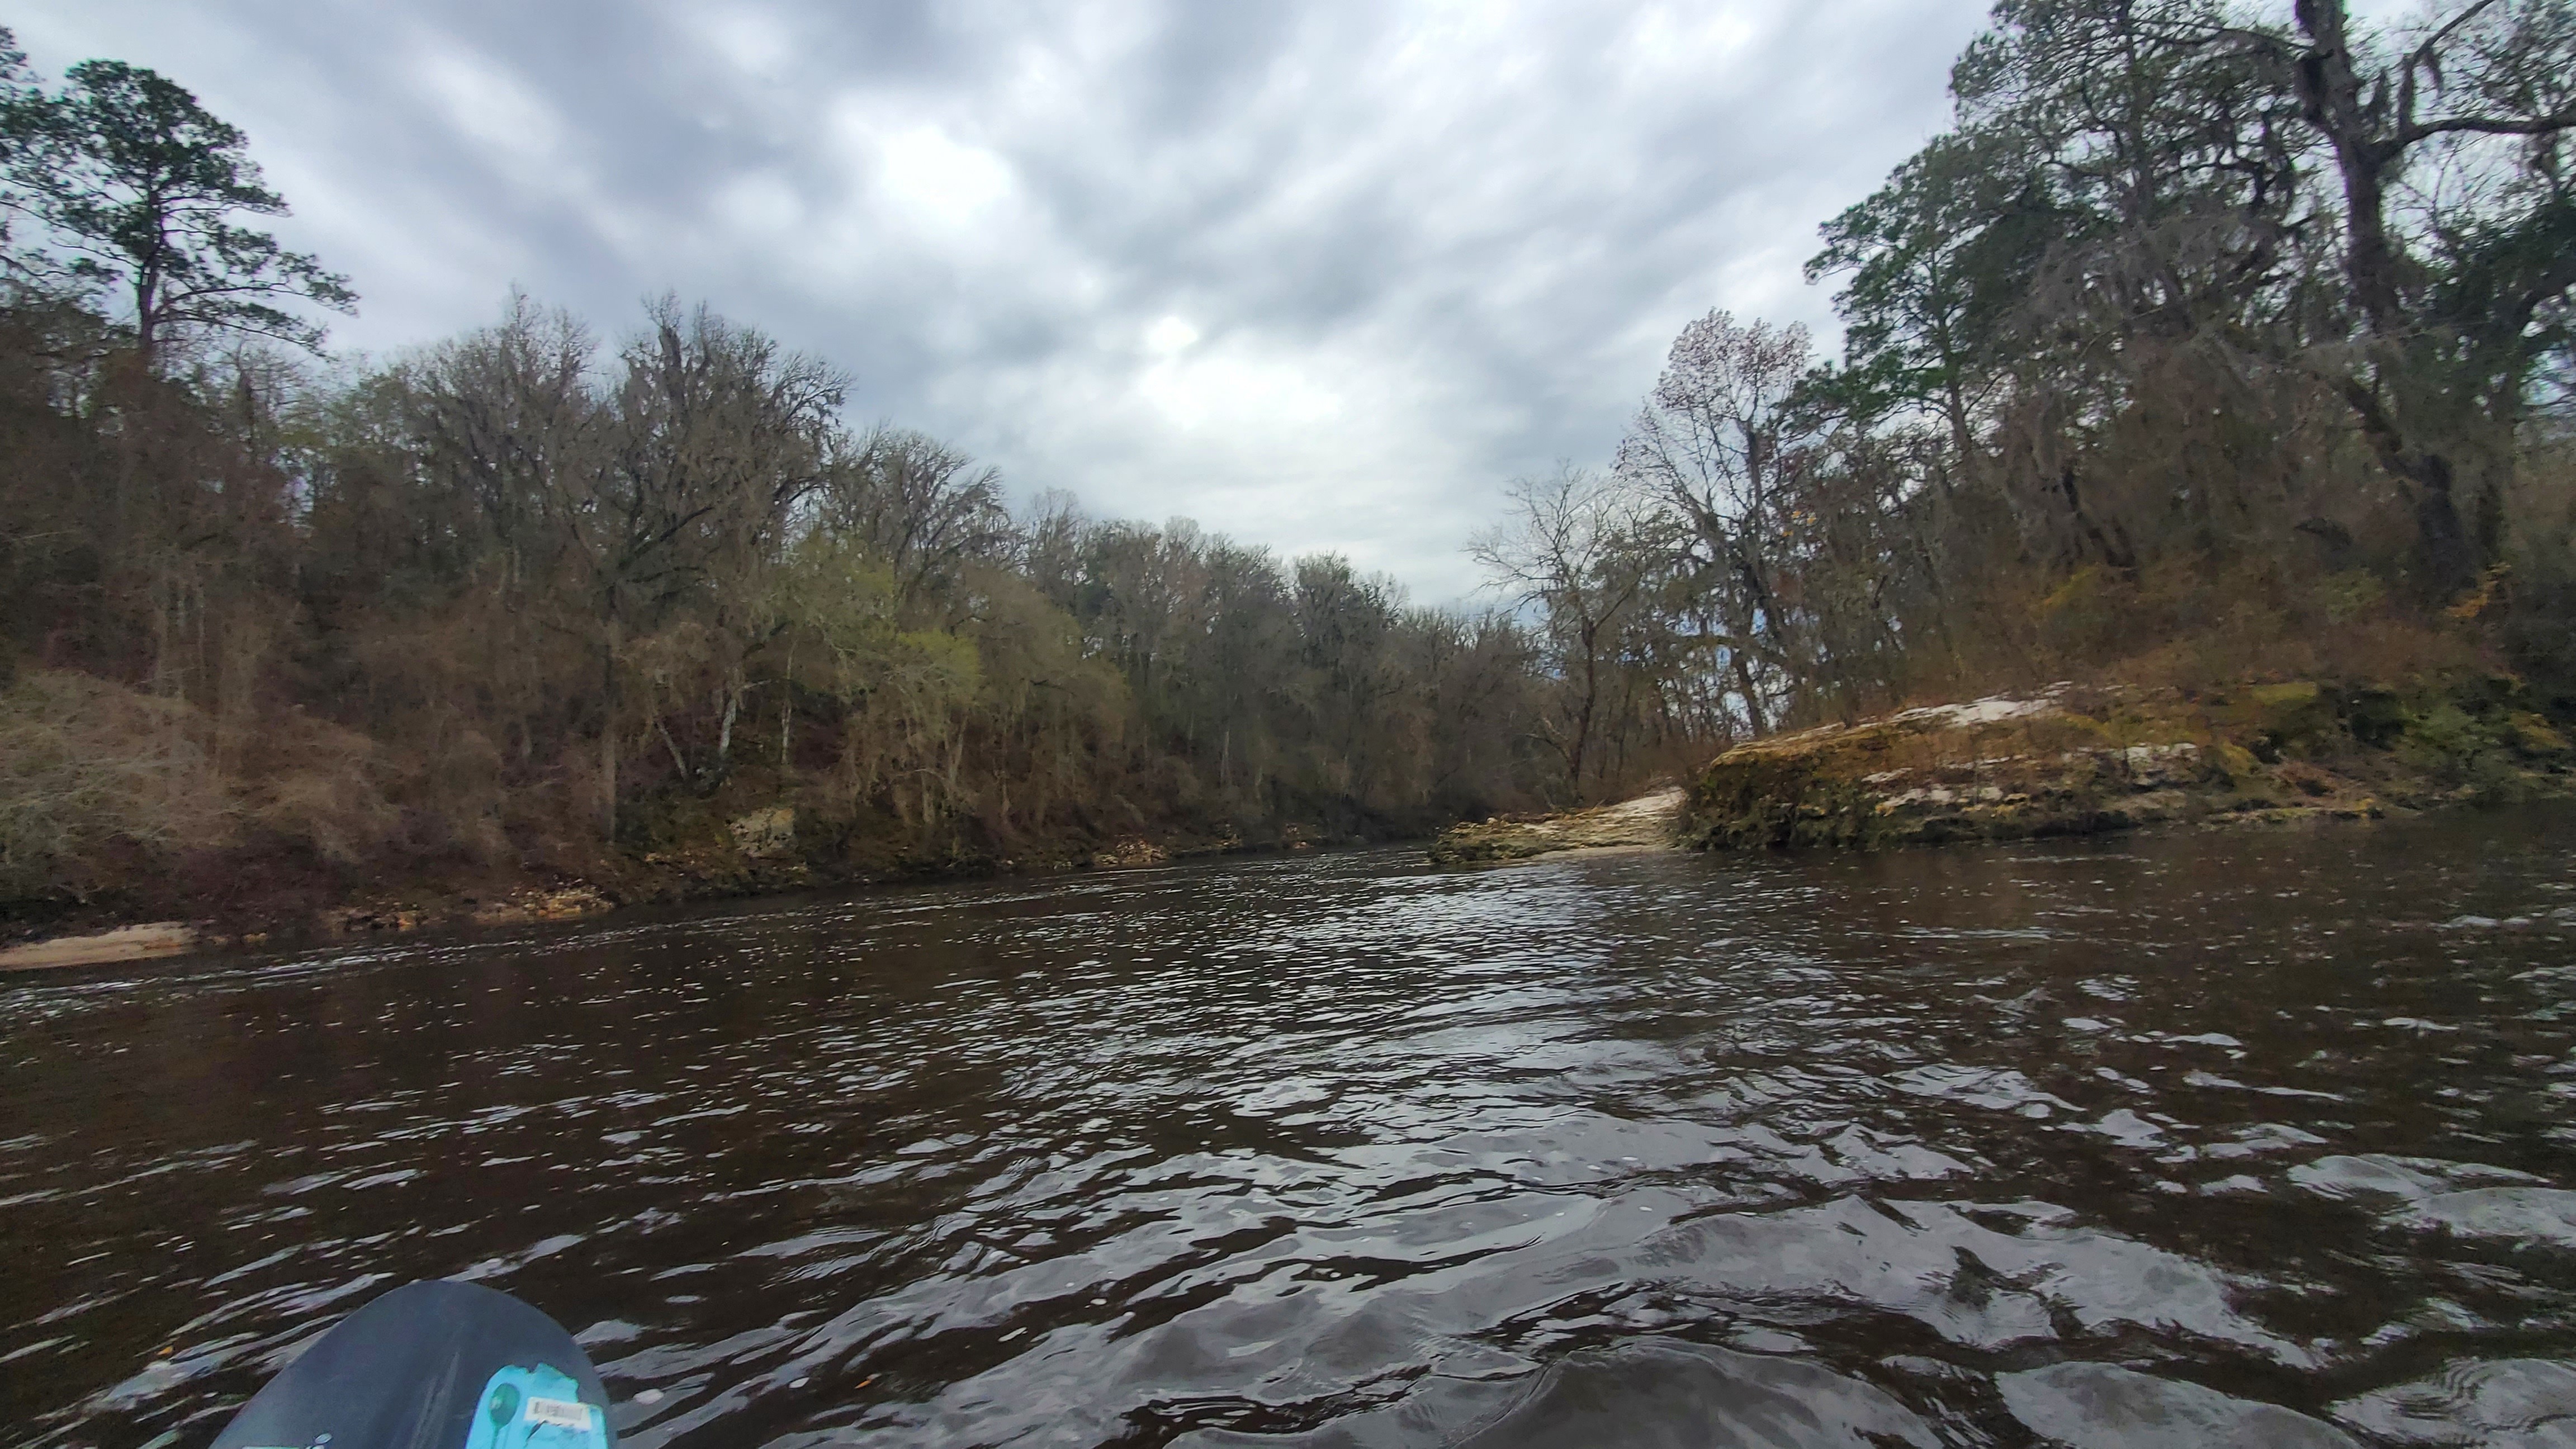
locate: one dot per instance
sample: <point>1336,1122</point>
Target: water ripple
<point>2209,1140</point>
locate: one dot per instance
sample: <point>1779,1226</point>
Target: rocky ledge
<point>1648,820</point>
<point>2071,761</point>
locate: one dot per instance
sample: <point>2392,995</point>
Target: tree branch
<point>2549,125</point>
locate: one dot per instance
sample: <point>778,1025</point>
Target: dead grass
<point>108,789</point>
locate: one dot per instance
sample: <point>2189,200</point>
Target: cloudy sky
<point>1318,275</point>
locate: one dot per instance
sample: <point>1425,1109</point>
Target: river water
<point>2182,1139</point>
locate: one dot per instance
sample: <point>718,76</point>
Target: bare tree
<point>722,435</point>
<point>1719,443</point>
<point>922,507</point>
<point>1581,546</point>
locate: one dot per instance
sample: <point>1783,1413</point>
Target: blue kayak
<point>432,1366</point>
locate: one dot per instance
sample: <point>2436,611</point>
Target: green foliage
<point>1935,261</point>
<point>2350,594</point>
<point>832,594</point>
<point>136,188</point>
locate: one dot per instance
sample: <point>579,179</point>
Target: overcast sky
<point>1318,275</point>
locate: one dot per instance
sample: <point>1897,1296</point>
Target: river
<point>2256,1138</point>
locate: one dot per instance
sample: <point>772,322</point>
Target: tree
<point>1721,441</point>
<point>1581,546</point>
<point>21,120</point>
<point>139,185</point>
<point>2494,70</point>
<point>921,506</point>
<point>1348,622</point>
<point>1937,260</point>
<point>721,437</point>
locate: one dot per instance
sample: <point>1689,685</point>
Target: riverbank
<point>2075,760</point>
<point>2070,760</point>
<point>752,855</point>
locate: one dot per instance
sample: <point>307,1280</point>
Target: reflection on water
<point>2260,1139</point>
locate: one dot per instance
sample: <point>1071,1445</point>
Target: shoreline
<point>655,879</point>
<point>2067,760</point>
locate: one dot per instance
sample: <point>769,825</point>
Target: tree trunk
<point>1589,633</point>
<point>2332,93</point>
<point>608,734</point>
<point>1744,686</point>
<point>2447,555</point>
<point>2450,559</point>
<point>147,317</point>
<point>733,693</point>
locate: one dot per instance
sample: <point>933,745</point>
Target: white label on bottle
<point>569,1413</point>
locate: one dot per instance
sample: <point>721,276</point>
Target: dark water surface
<point>2255,1139</point>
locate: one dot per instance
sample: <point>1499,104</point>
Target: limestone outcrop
<point>1648,820</point>
<point>2071,761</point>
<point>2077,760</point>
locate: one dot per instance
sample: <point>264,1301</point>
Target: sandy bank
<point>125,943</point>
<point>1649,821</point>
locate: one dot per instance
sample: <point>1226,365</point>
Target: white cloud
<point>938,185</point>
<point>1257,399</point>
<point>758,42</point>
<point>494,109</point>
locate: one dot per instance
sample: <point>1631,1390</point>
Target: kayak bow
<point>435,1365</point>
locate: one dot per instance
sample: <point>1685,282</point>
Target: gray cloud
<point>1319,275</point>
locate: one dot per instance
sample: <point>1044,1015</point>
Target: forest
<point>2207,343</point>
